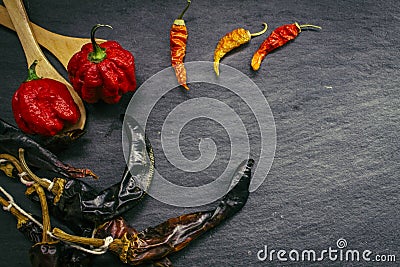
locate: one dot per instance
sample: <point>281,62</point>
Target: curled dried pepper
<point>44,254</point>
<point>11,139</point>
<point>58,254</point>
<point>178,39</point>
<point>231,41</point>
<point>80,205</point>
<point>151,245</point>
<point>102,71</point>
<point>83,207</point>
<point>279,37</point>
<point>154,244</point>
<point>43,106</point>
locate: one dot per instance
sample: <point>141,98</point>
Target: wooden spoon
<point>62,47</point>
<point>20,20</point>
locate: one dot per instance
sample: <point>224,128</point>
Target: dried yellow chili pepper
<point>231,41</point>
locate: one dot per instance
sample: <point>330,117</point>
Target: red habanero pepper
<point>177,40</point>
<point>279,37</point>
<point>102,71</point>
<point>43,106</point>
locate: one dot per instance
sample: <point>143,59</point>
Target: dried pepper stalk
<point>151,245</point>
<point>231,41</point>
<point>102,71</point>
<point>279,37</point>
<point>43,106</point>
<point>44,253</point>
<point>178,40</point>
<point>48,253</point>
<point>154,244</point>
<point>11,139</point>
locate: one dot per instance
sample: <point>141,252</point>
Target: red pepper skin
<point>178,40</point>
<point>108,79</point>
<point>279,37</point>
<point>178,36</point>
<point>43,106</point>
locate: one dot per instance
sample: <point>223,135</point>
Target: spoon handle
<point>5,19</point>
<point>61,46</point>
<point>20,20</point>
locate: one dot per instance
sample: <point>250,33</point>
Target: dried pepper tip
<point>231,41</point>
<point>186,86</point>
<point>61,141</point>
<point>98,54</point>
<point>32,72</point>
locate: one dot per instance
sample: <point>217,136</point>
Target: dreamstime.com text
<point>334,254</point>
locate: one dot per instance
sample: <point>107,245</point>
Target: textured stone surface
<point>335,99</point>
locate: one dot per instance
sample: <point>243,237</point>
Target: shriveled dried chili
<point>279,37</point>
<point>231,41</point>
<point>11,139</point>
<point>50,254</point>
<point>82,207</point>
<point>102,71</point>
<point>43,106</point>
<point>58,254</point>
<point>178,39</point>
<point>154,244</point>
<point>61,141</point>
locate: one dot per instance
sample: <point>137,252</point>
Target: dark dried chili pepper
<point>154,244</point>
<point>231,41</point>
<point>61,141</point>
<point>58,254</point>
<point>102,71</point>
<point>43,106</point>
<point>11,139</point>
<point>82,207</point>
<point>50,254</point>
<point>279,37</point>
<point>178,39</point>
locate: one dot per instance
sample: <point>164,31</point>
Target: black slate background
<point>335,99</point>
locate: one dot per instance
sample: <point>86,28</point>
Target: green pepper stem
<point>186,8</point>
<point>98,54</point>
<point>32,72</point>
<point>261,32</point>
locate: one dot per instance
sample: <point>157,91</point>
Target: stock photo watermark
<point>152,90</point>
<point>339,253</point>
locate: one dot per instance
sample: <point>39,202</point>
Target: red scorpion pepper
<point>102,71</point>
<point>43,106</point>
<point>177,40</point>
<point>279,37</point>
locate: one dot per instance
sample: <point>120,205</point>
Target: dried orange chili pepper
<point>178,38</point>
<point>279,37</point>
<point>233,40</point>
